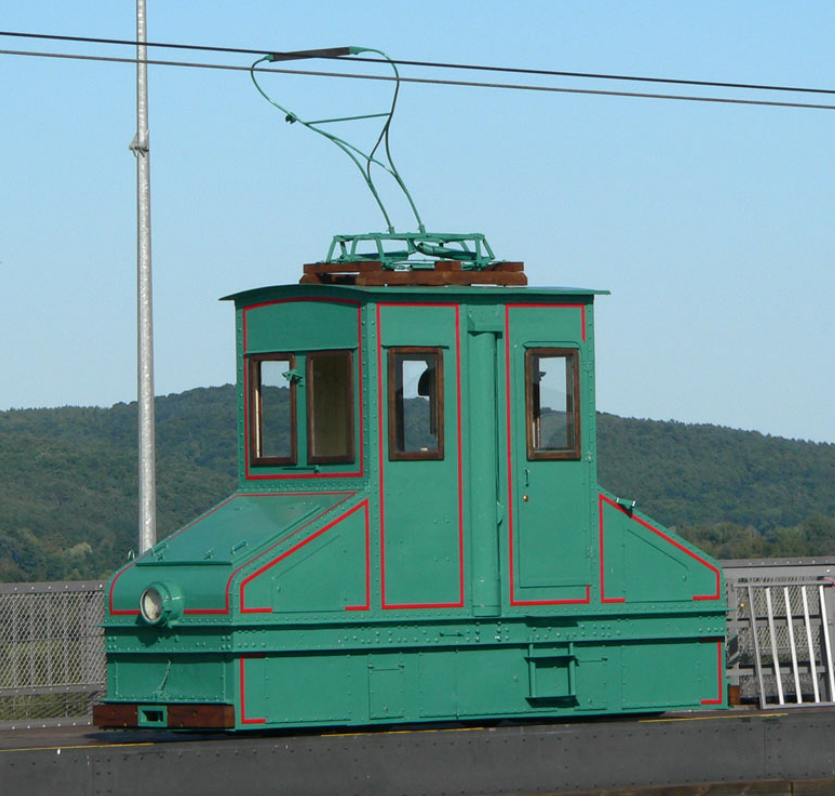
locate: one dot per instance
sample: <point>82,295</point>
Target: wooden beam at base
<point>179,717</point>
<point>111,714</point>
<point>206,717</point>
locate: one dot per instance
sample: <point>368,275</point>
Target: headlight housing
<point>160,603</point>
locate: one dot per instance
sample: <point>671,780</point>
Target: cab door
<point>549,536</point>
<point>422,530</point>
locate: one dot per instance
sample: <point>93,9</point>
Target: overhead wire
<point>428,81</point>
<point>438,64</point>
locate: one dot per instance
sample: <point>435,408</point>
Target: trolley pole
<point>145,333</point>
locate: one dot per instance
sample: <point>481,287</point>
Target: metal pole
<point>145,334</point>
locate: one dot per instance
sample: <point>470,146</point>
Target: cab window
<point>330,407</point>
<point>552,398</point>
<point>415,403</point>
<point>309,393</point>
<point>272,409</point>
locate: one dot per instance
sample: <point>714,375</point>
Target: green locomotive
<point>418,533</point>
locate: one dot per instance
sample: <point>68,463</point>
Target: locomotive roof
<point>482,291</point>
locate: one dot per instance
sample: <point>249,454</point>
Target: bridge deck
<point>786,749</point>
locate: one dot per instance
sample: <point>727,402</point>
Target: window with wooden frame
<point>330,407</point>
<point>416,403</point>
<point>272,409</point>
<point>552,403</point>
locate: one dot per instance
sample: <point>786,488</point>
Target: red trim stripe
<point>303,476</point>
<point>380,467</point>
<point>718,580</point>
<point>603,597</point>
<point>509,422</point>
<point>287,553</point>
<point>367,605</point>
<point>244,718</point>
<point>720,643</point>
<point>414,606</point>
<point>460,458</point>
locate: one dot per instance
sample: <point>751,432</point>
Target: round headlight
<point>160,602</point>
<point>151,605</point>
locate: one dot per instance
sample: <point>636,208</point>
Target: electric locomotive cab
<point>418,533</point>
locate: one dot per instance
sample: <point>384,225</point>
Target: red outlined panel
<point>367,605</point>
<point>460,465</point>
<point>603,500</point>
<point>225,609</point>
<point>509,421</point>
<point>284,476</point>
<point>600,558</point>
<point>720,649</point>
<point>242,677</point>
<point>295,548</point>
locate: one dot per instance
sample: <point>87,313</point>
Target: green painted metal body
<point>481,585</point>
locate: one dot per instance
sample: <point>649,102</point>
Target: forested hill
<point>737,494</point>
<point>68,482</point>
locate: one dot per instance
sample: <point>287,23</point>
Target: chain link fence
<point>51,653</point>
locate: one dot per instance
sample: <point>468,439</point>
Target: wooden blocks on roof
<point>371,273</point>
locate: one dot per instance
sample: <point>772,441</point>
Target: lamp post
<point>144,295</point>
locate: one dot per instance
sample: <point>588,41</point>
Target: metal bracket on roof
<point>412,250</point>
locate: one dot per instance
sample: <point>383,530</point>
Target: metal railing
<point>780,620</point>
<point>51,652</point>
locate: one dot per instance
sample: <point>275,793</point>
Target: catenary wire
<point>429,81</point>
<point>436,64</point>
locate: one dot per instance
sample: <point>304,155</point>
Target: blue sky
<point>711,224</point>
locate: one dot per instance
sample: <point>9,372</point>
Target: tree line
<point>68,482</point>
